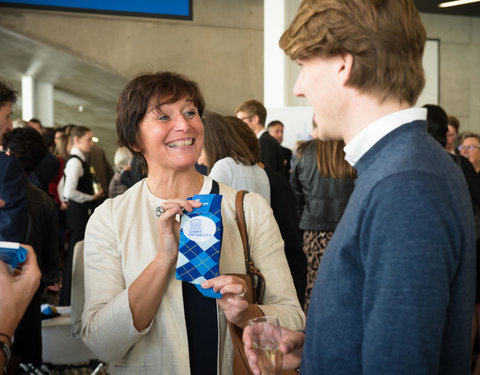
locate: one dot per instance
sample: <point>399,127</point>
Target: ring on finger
<point>159,210</point>
<point>243,293</point>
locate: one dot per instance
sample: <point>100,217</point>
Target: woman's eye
<point>190,113</point>
<point>163,118</point>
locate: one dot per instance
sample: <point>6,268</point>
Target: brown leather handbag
<point>253,296</point>
<point>255,286</point>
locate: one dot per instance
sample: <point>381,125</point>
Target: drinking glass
<point>266,337</point>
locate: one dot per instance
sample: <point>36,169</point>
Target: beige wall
<point>459,65</point>
<point>222,48</point>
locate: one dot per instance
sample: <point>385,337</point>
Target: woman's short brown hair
<point>221,140</point>
<point>385,37</point>
<point>147,90</point>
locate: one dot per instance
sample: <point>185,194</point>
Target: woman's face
<point>471,150</point>
<point>85,142</point>
<point>202,160</point>
<point>171,136</point>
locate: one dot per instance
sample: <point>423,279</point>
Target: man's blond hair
<point>385,37</point>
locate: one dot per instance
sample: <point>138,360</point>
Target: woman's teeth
<point>184,143</point>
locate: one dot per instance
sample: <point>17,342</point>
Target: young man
<point>395,290</point>
<point>254,114</point>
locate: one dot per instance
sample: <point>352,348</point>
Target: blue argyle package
<point>12,253</point>
<point>200,243</point>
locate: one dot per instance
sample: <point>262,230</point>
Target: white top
<point>378,129</point>
<point>251,178</point>
<point>122,238</point>
<point>71,174</point>
<point>259,134</point>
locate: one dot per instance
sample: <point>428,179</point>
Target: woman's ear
<point>345,68</point>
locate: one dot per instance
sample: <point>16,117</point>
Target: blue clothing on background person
<point>13,216</point>
<point>396,286</point>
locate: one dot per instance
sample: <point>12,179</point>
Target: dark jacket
<point>271,153</point>
<point>320,200</point>
<point>13,216</point>
<point>282,202</point>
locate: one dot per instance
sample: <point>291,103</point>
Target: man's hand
<point>291,347</point>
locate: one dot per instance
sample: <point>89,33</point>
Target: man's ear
<point>345,69</point>
<point>254,119</point>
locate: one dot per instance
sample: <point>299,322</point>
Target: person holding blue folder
<point>143,314</point>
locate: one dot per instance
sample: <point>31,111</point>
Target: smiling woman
<point>137,315</point>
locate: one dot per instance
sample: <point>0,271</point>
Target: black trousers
<point>77,218</point>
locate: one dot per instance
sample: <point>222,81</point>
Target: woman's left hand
<point>232,302</point>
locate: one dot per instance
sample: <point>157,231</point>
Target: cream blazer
<point>122,239</point>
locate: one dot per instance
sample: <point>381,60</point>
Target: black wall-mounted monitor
<point>178,9</point>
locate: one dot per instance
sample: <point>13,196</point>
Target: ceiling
<point>79,83</point>
<point>431,6</point>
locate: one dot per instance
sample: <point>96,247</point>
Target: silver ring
<point>159,210</point>
<point>243,293</point>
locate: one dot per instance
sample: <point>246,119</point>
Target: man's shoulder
<point>9,166</point>
<point>287,153</point>
<point>267,139</point>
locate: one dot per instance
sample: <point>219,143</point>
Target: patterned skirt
<point>314,244</point>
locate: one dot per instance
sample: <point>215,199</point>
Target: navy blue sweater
<point>395,289</point>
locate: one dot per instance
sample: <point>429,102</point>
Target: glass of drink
<point>266,337</point>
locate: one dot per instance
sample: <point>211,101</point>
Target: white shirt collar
<point>259,134</point>
<point>378,129</point>
<point>76,151</point>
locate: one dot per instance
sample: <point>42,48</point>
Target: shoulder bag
<point>255,286</point>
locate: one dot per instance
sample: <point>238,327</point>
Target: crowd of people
<point>367,234</point>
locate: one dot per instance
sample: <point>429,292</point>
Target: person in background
<point>27,145</point>
<point>275,128</point>
<point>13,213</point>
<point>322,182</point>
<point>282,202</point>
<point>36,124</point>
<point>16,292</point>
<point>228,158</point>
<point>395,290</point>
<point>470,148</point>
<point>50,166</point>
<point>438,128</point>
<point>122,160</point>
<point>452,134</point>
<point>97,159</point>
<point>310,137</point>
<point>254,114</point>
<point>78,190</point>
<point>137,316</point>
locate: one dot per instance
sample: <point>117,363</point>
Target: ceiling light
<point>456,3</point>
<point>95,139</point>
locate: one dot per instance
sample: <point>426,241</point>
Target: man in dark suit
<point>254,114</point>
<point>13,214</point>
<point>275,128</point>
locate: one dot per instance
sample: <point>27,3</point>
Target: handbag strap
<point>242,227</point>
<point>250,268</point>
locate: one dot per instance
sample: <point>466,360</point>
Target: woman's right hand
<point>169,227</point>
